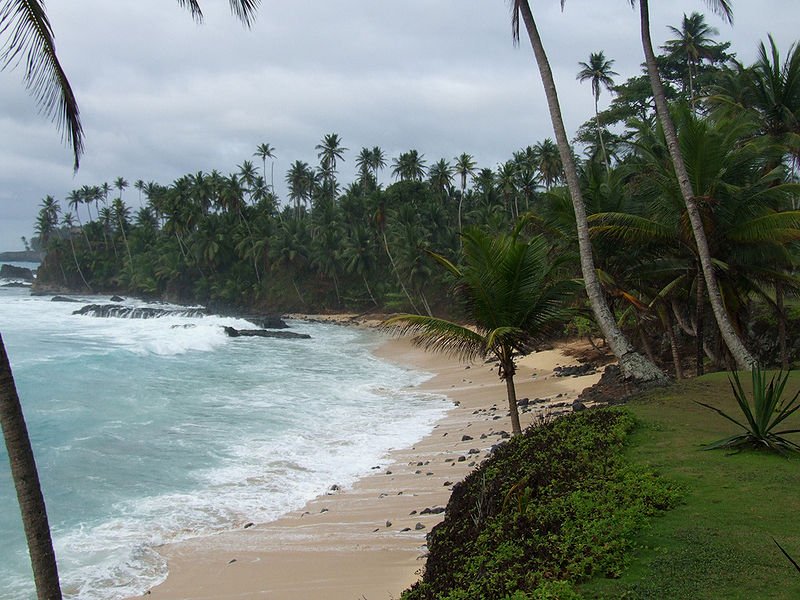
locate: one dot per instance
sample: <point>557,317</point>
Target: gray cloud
<point>162,96</point>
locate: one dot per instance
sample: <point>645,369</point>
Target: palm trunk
<point>511,391</point>
<point>600,136</point>
<point>781,325</point>
<point>77,264</point>
<point>397,273</point>
<point>699,324</point>
<point>633,364</point>
<point>741,355</point>
<point>26,482</point>
<point>666,321</point>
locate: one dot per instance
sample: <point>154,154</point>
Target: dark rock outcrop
<point>63,299</point>
<point>12,272</point>
<point>133,312</point>
<point>285,335</point>
<point>16,284</point>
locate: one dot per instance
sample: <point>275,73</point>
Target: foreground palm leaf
<point>768,410</point>
<point>511,296</point>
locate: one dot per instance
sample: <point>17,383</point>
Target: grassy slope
<point>718,544</point>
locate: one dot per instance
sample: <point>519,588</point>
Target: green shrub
<point>769,409</point>
<point>558,504</point>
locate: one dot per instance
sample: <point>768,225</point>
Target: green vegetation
<point>718,542</point>
<point>554,506</point>
<point>574,509</point>
<point>769,409</point>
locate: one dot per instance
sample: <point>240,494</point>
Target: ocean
<point>148,431</point>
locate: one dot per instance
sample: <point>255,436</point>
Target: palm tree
<point>512,296</point>
<point>739,352</point>
<point>409,166</point>
<point>547,158</point>
<point>364,166</point>
<point>693,43</point>
<point>378,161</point>
<point>632,363</point>
<point>264,152</point>
<point>440,176</point>
<point>300,180</point>
<point>598,71</point>
<point>66,220</point>
<point>330,150</point>
<point>465,167</point>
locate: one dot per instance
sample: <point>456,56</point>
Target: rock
<point>413,512</point>
<point>249,525</point>
<point>419,526</point>
<point>266,333</point>
<point>63,299</point>
<point>523,402</point>
<point>432,511</point>
<point>446,483</point>
<point>231,561</point>
<point>578,406</point>
<point>16,284</point>
<point>116,299</point>
<point>324,510</point>
<point>404,529</point>
<point>335,487</point>
<point>12,272</point>
<point>462,458</point>
<point>388,523</point>
<point>137,312</point>
<point>474,451</point>
<point>266,321</point>
<point>466,438</point>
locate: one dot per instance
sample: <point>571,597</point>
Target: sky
<point>162,96</point>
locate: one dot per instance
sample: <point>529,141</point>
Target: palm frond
<point>29,39</point>
<point>438,335</point>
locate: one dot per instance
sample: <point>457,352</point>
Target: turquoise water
<point>151,431</point>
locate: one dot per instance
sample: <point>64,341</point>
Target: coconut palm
<point>329,151</point>
<point>264,152</point>
<point>440,177</point>
<point>744,359</point>
<point>511,295</point>
<point>632,363</point>
<point>465,167</point>
<point>547,158</point>
<point>692,44</point>
<point>598,71</point>
<point>409,166</point>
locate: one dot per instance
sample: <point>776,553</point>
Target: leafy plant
<point>768,410</point>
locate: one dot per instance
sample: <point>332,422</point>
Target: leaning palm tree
<point>598,71</point>
<point>632,363</point>
<point>743,358</point>
<point>512,297</point>
<point>27,38</point>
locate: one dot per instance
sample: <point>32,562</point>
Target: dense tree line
<point>228,239</point>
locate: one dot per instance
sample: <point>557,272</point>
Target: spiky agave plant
<point>768,410</point>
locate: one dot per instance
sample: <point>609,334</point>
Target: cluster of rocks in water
<point>24,276</point>
<point>269,326</point>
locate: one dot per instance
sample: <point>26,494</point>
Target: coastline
<point>369,540</point>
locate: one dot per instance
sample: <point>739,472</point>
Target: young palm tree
<point>512,297</point>
<point>598,71</point>
<point>632,363</point>
<point>739,352</point>
<point>330,150</point>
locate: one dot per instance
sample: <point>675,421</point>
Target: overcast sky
<point>161,96</point>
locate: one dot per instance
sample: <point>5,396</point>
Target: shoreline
<point>369,540</point>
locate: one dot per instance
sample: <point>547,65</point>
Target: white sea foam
<point>163,429</point>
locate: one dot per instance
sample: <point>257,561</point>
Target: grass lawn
<point>718,543</point>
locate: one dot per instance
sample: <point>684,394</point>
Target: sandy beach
<point>368,541</point>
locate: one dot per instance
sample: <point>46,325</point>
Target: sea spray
<point>148,431</point>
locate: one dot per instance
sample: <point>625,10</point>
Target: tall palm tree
<point>440,176</point>
<point>743,358</point>
<point>598,71</point>
<point>512,296</point>
<point>378,161</point>
<point>264,152</point>
<point>329,151</point>
<point>66,220</point>
<point>692,44</point>
<point>465,167</point>
<point>631,362</point>
<point>28,38</point>
<point>547,158</point>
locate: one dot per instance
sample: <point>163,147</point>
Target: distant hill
<point>21,256</point>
